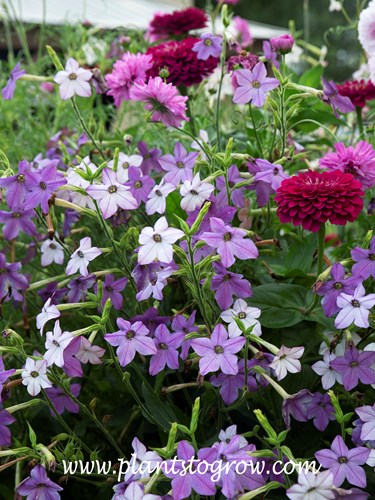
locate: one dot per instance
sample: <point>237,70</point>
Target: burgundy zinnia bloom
<point>358,91</point>
<point>182,63</point>
<point>164,26</point>
<point>312,198</point>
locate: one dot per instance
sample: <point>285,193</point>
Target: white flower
<point>76,180</point>
<point>339,348</point>
<point>157,198</point>
<point>94,50</point>
<point>194,193</point>
<point>246,314</point>
<point>56,343</point>
<point>157,242</point>
<point>52,251</point>
<point>286,361</point>
<point>74,80</point>
<point>49,311</point>
<point>354,308</point>
<point>203,136</point>
<point>80,259</point>
<point>334,5</point>
<point>371,67</point>
<point>312,486</point>
<point>366,29</point>
<point>124,162</point>
<point>328,374</point>
<point>362,73</point>
<point>139,456</point>
<point>89,353</point>
<point>35,377</point>
<point>229,433</point>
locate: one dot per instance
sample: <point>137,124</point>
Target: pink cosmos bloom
<point>157,242</point>
<point>358,161</point>
<point>344,463</point>
<point>354,308</point>
<point>253,85</point>
<point>112,194</point>
<point>80,259</point>
<point>74,80</point>
<point>127,71</point>
<point>209,45</point>
<point>163,100</point>
<point>229,242</point>
<point>218,352</point>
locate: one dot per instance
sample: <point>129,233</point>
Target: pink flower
<point>130,69</point>
<point>229,242</point>
<point>282,44</point>
<point>358,161</point>
<point>253,85</point>
<point>163,100</point>
<point>242,29</point>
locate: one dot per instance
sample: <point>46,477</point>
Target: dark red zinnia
<point>164,26</point>
<point>182,63</point>
<point>358,91</point>
<point>313,198</point>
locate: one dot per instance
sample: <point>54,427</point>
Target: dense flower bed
<point>187,268</point>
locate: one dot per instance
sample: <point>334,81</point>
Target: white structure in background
<point>108,13</point>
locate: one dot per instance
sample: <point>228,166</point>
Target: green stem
<point>319,270</point>
<point>359,120</point>
<point>85,128</point>
<point>256,132</point>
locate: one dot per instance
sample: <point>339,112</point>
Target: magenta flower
<point>227,284</point>
<point>282,44</point>
<point>11,282</point>
<point>130,339</point>
<point>185,480</point>
<point>112,290</point>
<point>61,401</point>
<point>358,160</point>
<point>209,45</point>
<point>364,266</point>
<point>42,184</point>
<point>166,345</point>
<point>179,166</point>
<point>229,242</point>
<point>242,31</point>
<point>130,69</point>
<point>5,419</point>
<point>331,289</point>
<point>253,85</point>
<point>332,97</point>
<point>321,410</point>
<point>38,485</point>
<point>355,366</point>
<point>344,463</point>
<point>218,352</point>
<point>163,100</point>
<point>10,87</point>
<point>111,194</point>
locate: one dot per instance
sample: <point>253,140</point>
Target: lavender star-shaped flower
<point>355,366</point>
<point>179,166</point>
<point>166,344</point>
<point>253,85</point>
<point>321,410</point>
<point>112,289</point>
<point>38,485</point>
<point>227,284</point>
<point>10,279</point>
<point>42,184</point>
<point>332,97</point>
<point>364,266</point>
<point>16,73</point>
<point>16,222</point>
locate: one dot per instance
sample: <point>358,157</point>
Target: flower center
<point>54,342</point>
<point>20,178</point>
<point>372,256</point>
<point>80,254</point>
<point>163,346</point>
<point>354,364</point>
<point>53,246</point>
<point>227,236</point>
<point>337,285</point>
<point>109,288</point>
<point>355,303</point>
<point>125,164</point>
<point>138,184</point>
<point>157,238</point>
<point>208,42</point>
<point>241,315</point>
<point>231,184</point>
<point>180,164</point>
<point>256,84</point>
<point>43,185</point>
<point>226,277</point>
<point>130,334</point>
<point>218,349</point>
<point>112,189</point>
<point>72,76</point>
<point>193,192</point>
<point>16,215</point>
<point>275,171</point>
<point>34,374</point>
<point>158,192</point>
<point>342,460</point>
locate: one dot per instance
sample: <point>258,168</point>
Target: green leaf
<point>32,436</point>
<point>312,77</point>
<point>282,304</point>
<point>162,414</point>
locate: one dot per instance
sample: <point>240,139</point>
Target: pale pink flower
<point>287,360</point>
<point>89,353</point>
<point>74,80</point>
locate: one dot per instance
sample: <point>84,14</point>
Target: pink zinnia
<point>130,69</point>
<point>358,161</point>
<point>163,100</point>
